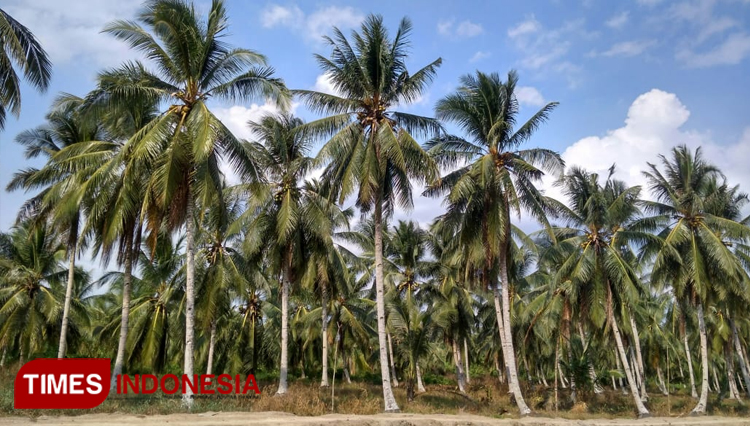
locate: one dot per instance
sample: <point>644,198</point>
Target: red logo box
<point>77,383</point>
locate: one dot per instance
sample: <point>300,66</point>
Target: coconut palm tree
<point>594,261</point>
<point>372,149</point>
<point>499,178</point>
<point>293,212</point>
<point>67,129</point>
<point>694,258</point>
<point>186,142</point>
<point>31,287</point>
<point>19,46</point>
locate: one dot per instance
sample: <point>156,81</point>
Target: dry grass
<point>485,397</point>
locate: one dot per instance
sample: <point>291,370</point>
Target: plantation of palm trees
<point>306,269</point>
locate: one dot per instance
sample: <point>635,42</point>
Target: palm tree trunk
<point>211,346</point>
<point>703,400</point>
<point>72,245</point>
<point>592,373</point>
<point>346,367</point>
<point>619,368</point>
<point>254,348</point>
<point>636,371</point>
<point>187,397</point>
<point>679,364</point>
<point>542,377</point>
<point>496,358</point>
<point>642,411</point>
<point>740,355</point>
<point>639,357</point>
<point>124,320</point>
<point>394,379</point>
<point>693,393</point>
<point>662,387</point>
<point>389,400</point>
<point>502,309</point>
<point>466,359</point>
<point>731,379</point>
<point>285,284</point>
<point>420,384</point>
<point>563,383</point>
<point>324,332</point>
<point>459,368</point>
<point>508,350</point>
<point>717,387</point>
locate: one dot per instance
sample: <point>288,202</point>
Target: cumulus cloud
<point>311,26</point>
<point>530,25</point>
<point>618,21</point>
<point>323,84</point>
<point>654,124</point>
<point>464,29</point>
<point>529,96</point>
<point>71,31</point>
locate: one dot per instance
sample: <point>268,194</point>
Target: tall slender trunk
<point>72,245</point>
<point>734,393</point>
<point>285,284</point>
<point>703,400</point>
<point>460,377</point>
<point>324,332</point>
<point>211,347</point>
<point>496,358</point>
<point>389,400</point>
<point>642,411</point>
<point>563,383</point>
<point>124,319</point>
<point>335,360</point>
<point>466,359</point>
<point>639,357</point>
<point>662,387</point>
<point>508,351</point>
<point>693,393</point>
<point>619,368</point>
<point>636,371</point>
<point>555,368</point>
<point>187,397</point>
<point>741,356</point>
<point>420,384</point>
<point>255,346</point>
<point>592,373</point>
<point>679,365</point>
<point>394,379</point>
<point>717,387</point>
<point>543,378</point>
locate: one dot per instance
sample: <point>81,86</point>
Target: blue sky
<point>633,78</point>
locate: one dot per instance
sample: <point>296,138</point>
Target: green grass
<point>485,397</point>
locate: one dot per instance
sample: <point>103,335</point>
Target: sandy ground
<point>275,418</point>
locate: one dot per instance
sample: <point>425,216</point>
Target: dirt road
<point>274,418</point>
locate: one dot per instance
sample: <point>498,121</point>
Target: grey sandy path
<point>275,418</point>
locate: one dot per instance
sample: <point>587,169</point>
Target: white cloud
<point>530,25</point>
<point>545,50</point>
<point>731,51</point>
<point>236,118</point>
<point>323,84</point>
<point>464,29</point>
<point>479,56</point>
<point>274,15</point>
<point>70,32</point>
<point>652,127</point>
<point>618,21</point>
<point>529,96</point>
<point>629,48</point>
<point>313,26</point>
